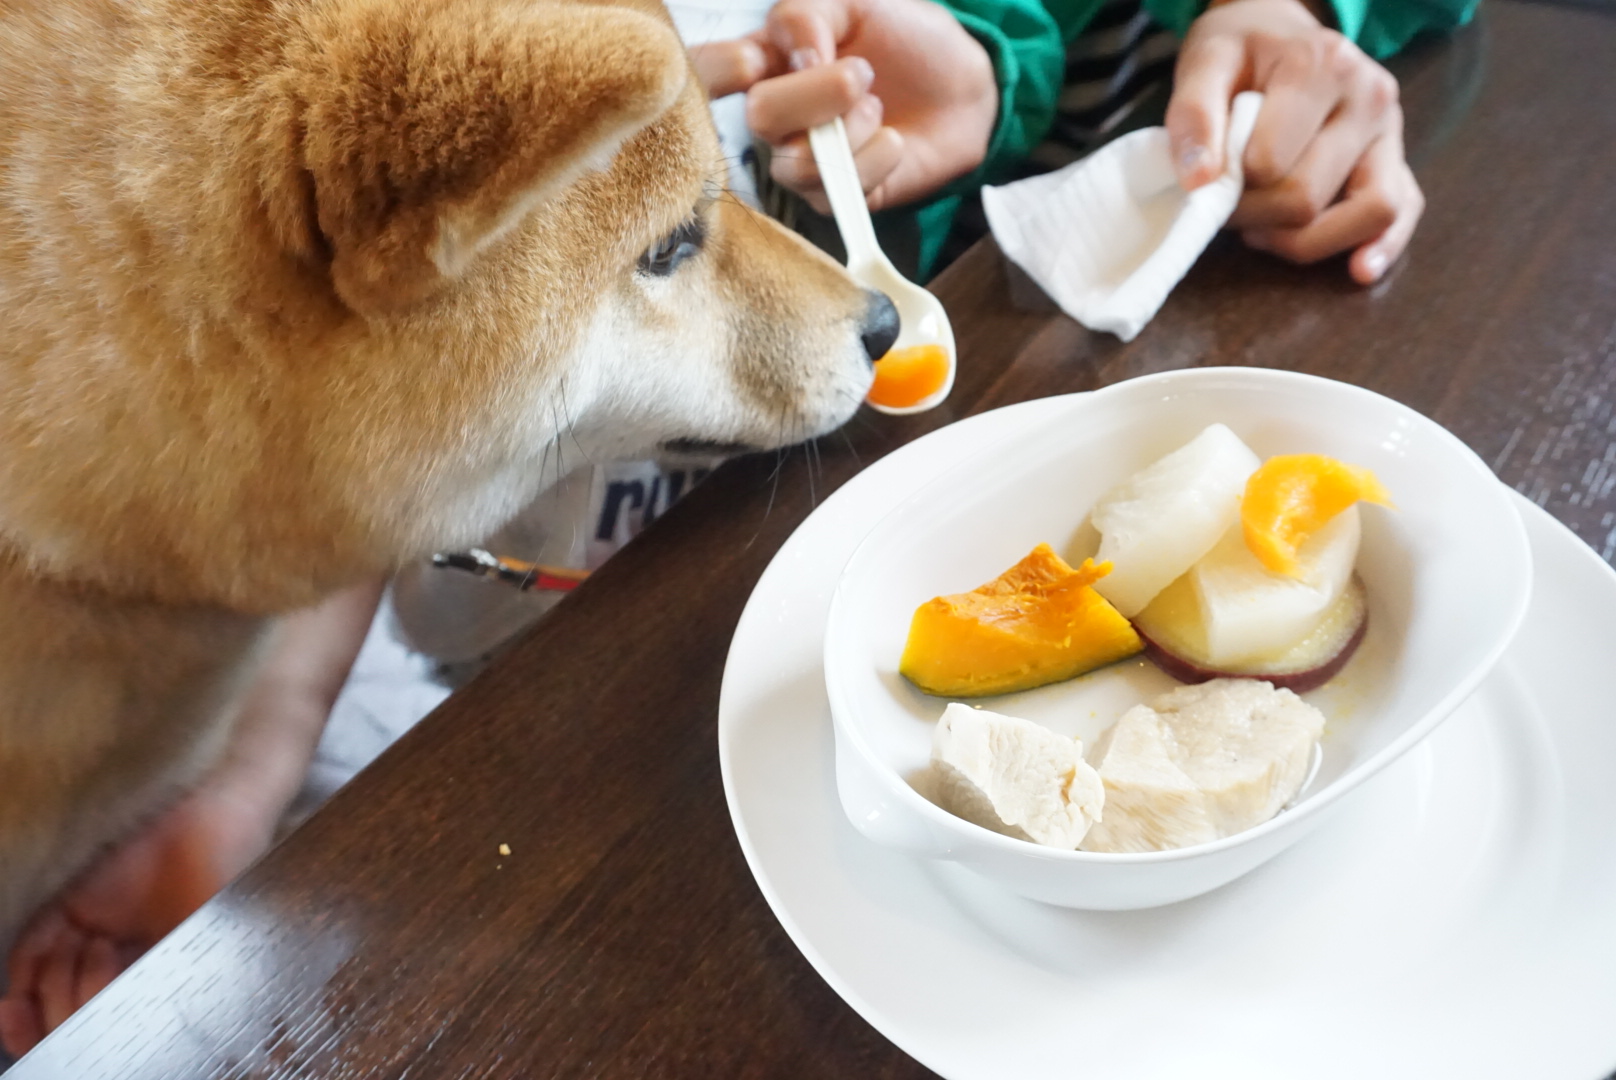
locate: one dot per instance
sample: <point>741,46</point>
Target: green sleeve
<point>1029,61</point>
<point>1026,41</point>
<point>1028,51</point>
<point>1381,27</point>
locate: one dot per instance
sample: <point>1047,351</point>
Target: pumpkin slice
<point>1039,622</point>
<point>1293,496</point>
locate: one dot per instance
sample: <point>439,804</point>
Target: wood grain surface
<point>623,935</point>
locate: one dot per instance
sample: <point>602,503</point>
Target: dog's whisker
<point>768,508</point>
<point>808,467</point>
<point>817,466</point>
<point>567,415</point>
<point>556,423</point>
<point>754,216</point>
<point>779,463</point>
<point>851,447</point>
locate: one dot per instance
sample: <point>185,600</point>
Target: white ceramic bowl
<point>1448,575</point>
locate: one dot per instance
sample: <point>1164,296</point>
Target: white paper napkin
<point>1109,236</point>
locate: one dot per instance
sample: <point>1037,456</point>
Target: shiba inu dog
<point>293,292</point>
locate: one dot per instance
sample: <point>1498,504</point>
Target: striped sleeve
<point>1114,68</point>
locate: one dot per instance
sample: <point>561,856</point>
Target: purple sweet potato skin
<point>1300,682</point>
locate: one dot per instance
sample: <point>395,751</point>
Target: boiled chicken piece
<point>1014,776</point>
<point>1160,521</point>
<point>1201,763</point>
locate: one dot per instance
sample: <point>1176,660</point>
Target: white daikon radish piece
<point>1160,521</point>
<point>1249,612</point>
<point>1175,640</point>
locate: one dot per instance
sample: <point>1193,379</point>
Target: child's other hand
<point>915,90</point>
<point>1325,171</point>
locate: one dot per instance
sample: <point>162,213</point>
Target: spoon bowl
<point>922,320</point>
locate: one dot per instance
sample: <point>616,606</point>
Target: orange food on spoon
<point>1291,497</point>
<point>905,377</point>
<point>1038,622</point>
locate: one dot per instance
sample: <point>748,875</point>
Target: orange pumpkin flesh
<point>908,376</point>
<point>1292,496</point>
<point>1039,622</point>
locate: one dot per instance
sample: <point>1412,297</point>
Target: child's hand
<point>1324,168</point>
<point>917,93</point>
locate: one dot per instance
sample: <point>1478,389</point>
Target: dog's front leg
<point>146,883</point>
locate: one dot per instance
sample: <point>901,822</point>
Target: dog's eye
<point>664,256</point>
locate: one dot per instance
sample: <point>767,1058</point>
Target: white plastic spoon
<point>922,320</point>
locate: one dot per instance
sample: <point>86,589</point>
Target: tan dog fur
<point>293,292</point>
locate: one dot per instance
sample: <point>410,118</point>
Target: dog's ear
<point>425,130</point>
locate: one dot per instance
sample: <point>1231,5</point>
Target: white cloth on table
<point>1108,237</point>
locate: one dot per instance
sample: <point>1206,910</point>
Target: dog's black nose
<point>880,325</point>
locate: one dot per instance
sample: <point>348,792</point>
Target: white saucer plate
<point>1457,918</point>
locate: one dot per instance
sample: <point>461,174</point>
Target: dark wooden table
<point>624,937</point>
